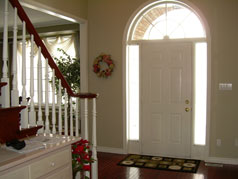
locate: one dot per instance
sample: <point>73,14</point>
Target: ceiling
<point>38,19</point>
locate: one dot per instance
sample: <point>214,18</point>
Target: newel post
<point>94,142</point>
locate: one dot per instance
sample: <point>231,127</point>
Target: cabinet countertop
<point>9,159</point>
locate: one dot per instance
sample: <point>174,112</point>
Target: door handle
<point>187,109</point>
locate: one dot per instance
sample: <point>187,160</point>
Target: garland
<point>103,58</point>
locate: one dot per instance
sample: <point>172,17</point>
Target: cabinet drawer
<point>50,163</point>
<point>62,174</point>
<point>21,173</point>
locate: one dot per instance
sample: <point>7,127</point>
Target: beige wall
<point>221,17</point>
<point>107,21</point>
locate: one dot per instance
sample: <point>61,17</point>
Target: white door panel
<point>165,85</point>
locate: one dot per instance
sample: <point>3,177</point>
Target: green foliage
<point>70,68</point>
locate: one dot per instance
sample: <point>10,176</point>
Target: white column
<point>66,113</point>
<point>86,126</point>
<point>32,113</point>
<point>53,103</point>
<point>77,118</point>
<point>39,80</point>
<point>47,123</point>
<point>83,68</point>
<point>85,135</point>
<point>94,142</point>
<point>71,118</point>
<point>24,112</point>
<point>60,108</point>
<point>14,91</point>
<point>5,97</point>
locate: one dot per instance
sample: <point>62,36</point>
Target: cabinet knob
<point>52,164</point>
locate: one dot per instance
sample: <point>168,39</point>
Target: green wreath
<point>103,58</point>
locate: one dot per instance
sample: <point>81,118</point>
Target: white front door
<point>166,96</point>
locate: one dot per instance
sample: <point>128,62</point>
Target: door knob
<point>187,109</point>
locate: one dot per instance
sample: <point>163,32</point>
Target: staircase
<point>10,123</point>
<point>27,118</point>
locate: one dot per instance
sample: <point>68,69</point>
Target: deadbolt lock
<point>187,109</point>
<point>186,101</point>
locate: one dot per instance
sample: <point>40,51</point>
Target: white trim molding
<point>198,152</point>
<point>110,150</point>
<point>50,10</point>
<point>231,161</point>
<point>134,146</point>
<point>83,53</point>
<point>83,56</point>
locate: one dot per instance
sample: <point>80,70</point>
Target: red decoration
<point>103,58</point>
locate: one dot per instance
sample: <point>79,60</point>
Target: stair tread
<point>10,122</point>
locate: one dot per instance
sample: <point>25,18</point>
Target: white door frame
<point>83,26</point>
<point>83,41</point>
<point>126,41</point>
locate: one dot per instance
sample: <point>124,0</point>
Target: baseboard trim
<point>110,150</point>
<point>230,161</point>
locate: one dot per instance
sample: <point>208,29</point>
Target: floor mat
<point>161,163</point>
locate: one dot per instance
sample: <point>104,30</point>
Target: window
<point>168,21</point>
<point>52,43</point>
<point>133,91</point>
<point>200,98</point>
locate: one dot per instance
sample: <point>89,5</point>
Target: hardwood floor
<point>108,169</point>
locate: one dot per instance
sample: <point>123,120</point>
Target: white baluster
<point>47,123</point>
<point>86,118</point>
<point>94,142</point>
<point>60,108</point>
<point>66,113</point>
<point>32,113</point>
<point>77,118</point>
<point>14,91</point>
<point>39,79</point>
<point>53,103</point>
<point>5,98</point>
<point>24,113</point>
<point>71,118</point>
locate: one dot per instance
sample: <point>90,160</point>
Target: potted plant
<point>81,158</point>
<point>70,68</point>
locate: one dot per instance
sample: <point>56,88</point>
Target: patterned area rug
<point>161,163</point>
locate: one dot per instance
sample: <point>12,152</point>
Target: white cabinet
<point>17,174</point>
<point>62,174</point>
<point>53,162</point>
<point>50,163</point>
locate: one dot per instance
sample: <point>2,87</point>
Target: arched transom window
<point>168,20</point>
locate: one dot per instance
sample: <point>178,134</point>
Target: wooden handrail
<point>2,84</point>
<point>87,95</point>
<point>31,30</point>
